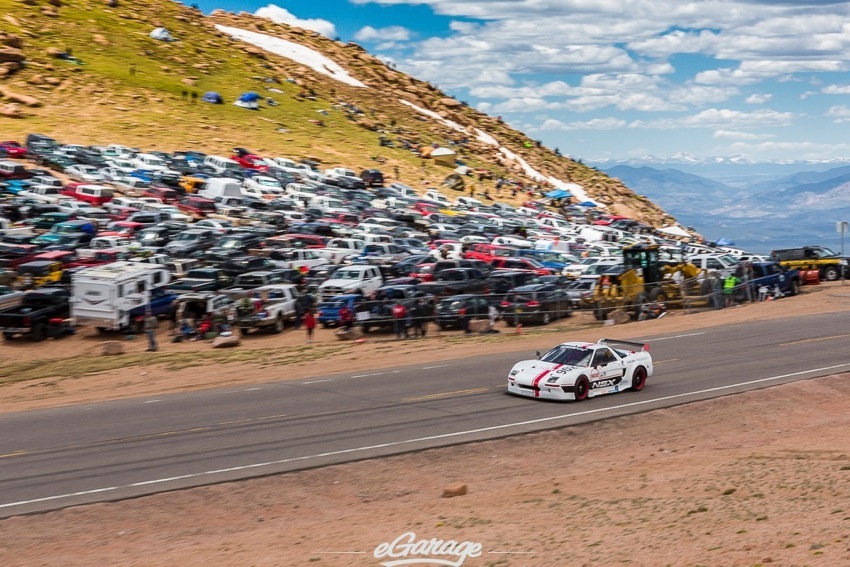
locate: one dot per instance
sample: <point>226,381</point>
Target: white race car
<point>577,370</point>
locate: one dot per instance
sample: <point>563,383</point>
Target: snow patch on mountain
<point>297,52</point>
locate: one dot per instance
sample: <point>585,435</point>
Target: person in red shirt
<point>309,324</point>
<point>400,320</point>
<point>346,317</point>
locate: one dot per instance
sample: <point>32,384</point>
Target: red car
<point>13,149</point>
<point>521,264</point>
<point>164,194</point>
<point>198,207</point>
<point>488,252</point>
<point>96,195</point>
<point>248,160</point>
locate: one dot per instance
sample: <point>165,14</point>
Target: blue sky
<point>614,79</point>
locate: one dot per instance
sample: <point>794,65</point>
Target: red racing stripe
<point>541,376</point>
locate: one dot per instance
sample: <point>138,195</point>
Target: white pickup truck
<point>98,243</point>
<point>44,194</point>
<point>338,249</point>
<point>268,307</point>
<point>357,278</point>
<point>296,258</point>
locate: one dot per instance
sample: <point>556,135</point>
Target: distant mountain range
<point>760,206</point>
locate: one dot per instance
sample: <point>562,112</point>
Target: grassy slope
<point>103,102</point>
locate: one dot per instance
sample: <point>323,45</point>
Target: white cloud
<point>595,124</point>
<point>283,16</point>
<point>839,114</point>
<point>737,135</point>
<point>715,118</point>
<point>388,34</point>
<point>760,98</point>
<point>836,89</point>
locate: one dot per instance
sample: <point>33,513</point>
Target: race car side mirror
<point>538,354</point>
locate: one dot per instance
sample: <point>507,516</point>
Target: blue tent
<point>250,96</point>
<point>723,242</point>
<point>587,204</point>
<point>212,97</point>
<point>559,194</point>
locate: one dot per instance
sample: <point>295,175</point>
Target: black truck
<point>455,281</point>
<point>378,312</point>
<point>40,312</point>
<point>202,279</point>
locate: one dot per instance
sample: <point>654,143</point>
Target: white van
<point>220,187</point>
<point>436,197</point>
<point>168,211</point>
<point>149,162</point>
<point>329,204</point>
<point>221,164</point>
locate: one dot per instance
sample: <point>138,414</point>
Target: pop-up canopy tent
<point>248,100</point>
<point>162,34</point>
<point>559,194</point>
<point>212,97</point>
<point>674,230</point>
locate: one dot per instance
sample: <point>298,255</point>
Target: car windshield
<point>347,275</point>
<point>569,355</point>
<point>451,305</point>
<point>824,252</point>
<point>187,236</point>
<point>231,243</point>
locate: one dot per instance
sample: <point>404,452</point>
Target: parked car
<point>448,311</point>
<point>539,303</point>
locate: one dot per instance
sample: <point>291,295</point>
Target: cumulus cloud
<point>836,89</point>
<point>839,114</point>
<point>760,98</point>
<point>738,135</point>
<point>388,34</point>
<point>283,16</point>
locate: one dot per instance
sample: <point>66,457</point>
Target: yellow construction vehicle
<point>644,278</point>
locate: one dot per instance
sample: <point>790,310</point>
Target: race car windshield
<point>569,355</point>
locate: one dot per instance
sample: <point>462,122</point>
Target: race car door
<point>607,371</point>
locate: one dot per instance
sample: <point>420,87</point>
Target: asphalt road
<point>106,451</point>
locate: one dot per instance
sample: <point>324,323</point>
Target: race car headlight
<point>552,379</point>
<point>513,373</point>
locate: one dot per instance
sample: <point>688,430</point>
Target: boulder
<point>226,342</point>
<point>99,38</point>
<point>11,54</point>
<point>12,40</point>
<point>618,316</point>
<point>454,489</point>
<point>479,325</point>
<point>351,334</point>
<point>26,100</point>
<point>449,102</point>
<point>12,110</point>
<point>111,348</point>
<point>36,80</point>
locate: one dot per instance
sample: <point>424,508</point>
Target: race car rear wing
<point>641,346</point>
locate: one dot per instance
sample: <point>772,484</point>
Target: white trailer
<point>112,296</point>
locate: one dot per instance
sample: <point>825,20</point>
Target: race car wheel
<point>638,379</point>
<point>830,273</point>
<point>581,388</point>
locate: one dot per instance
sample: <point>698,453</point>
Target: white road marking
<point>150,401</point>
<point>419,439</point>
<point>252,389</point>
<point>365,375</point>
<point>319,381</point>
<point>674,337</point>
<point>437,366</point>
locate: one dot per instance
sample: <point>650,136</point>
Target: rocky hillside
<point>87,71</point>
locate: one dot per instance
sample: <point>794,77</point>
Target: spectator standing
<point>151,325</point>
<point>464,320</point>
<point>493,315</point>
<point>399,320</point>
<point>418,315</point>
<point>309,324</point>
<point>346,317</point>
<point>729,285</point>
